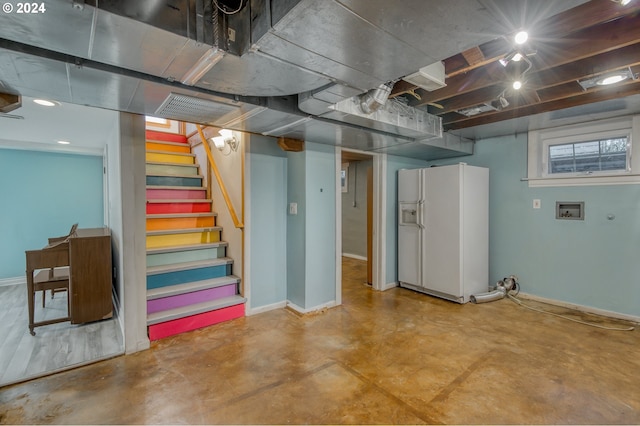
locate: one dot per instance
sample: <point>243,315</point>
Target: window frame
<point>540,140</point>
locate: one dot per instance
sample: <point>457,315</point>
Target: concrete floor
<point>396,357</point>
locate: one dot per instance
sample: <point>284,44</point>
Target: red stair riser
<point>168,208</point>
<point>153,135</point>
<point>176,194</point>
<point>182,325</point>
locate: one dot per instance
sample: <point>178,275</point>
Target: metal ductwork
<point>372,100</point>
<point>289,66</point>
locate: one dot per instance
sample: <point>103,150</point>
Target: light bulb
<point>517,85</point>
<point>517,57</point>
<point>612,79</point>
<point>218,141</point>
<point>521,37</point>
<point>226,133</point>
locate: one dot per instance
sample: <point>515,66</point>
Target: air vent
<point>193,110</point>
<point>429,78</point>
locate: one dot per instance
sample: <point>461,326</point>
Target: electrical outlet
<point>536,203</point>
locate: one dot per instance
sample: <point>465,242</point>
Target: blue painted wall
<point>296,232</point>
<point>394,164</point>
<point>320,225</point>
<point>591,263</point>
<point>268,183</point>
<point>42,195</point>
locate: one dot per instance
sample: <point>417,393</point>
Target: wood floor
<point>55,347</point>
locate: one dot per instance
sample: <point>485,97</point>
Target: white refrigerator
<point>443,231</point>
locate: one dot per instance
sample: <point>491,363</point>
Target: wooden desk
<point>87,253</point>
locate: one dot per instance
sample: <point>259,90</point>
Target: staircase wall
<point>231,170</point>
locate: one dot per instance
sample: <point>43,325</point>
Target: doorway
<point>360,216</point>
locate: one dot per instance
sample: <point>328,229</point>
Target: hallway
<point>396,357</point>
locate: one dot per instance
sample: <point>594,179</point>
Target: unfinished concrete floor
<point>396,357</point>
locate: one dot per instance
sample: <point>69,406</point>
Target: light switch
<point>536,203</point>
<point>293,208</point>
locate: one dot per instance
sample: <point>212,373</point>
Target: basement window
<point>597,153</point>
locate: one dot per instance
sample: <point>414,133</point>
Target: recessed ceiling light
<point>612,79</point>
<point>517,85</point>
<point>64,142</point>
<point>521,37</point>
<point>45,102</point>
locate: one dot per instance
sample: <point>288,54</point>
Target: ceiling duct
<point>429,78</point>
<point>375,98</point>
<point>392,117</point>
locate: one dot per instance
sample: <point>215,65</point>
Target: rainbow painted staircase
<point>189,278</point>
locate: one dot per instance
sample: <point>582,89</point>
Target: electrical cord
<point>519,302</point>
<point>215,2</point>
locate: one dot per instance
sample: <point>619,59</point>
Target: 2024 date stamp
<point>32,8</point>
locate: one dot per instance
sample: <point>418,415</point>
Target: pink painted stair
<point>190,284</point>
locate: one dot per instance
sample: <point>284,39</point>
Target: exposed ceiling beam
<point>585,68</point>
<point>584,44</point>
<point>574,20</point>
<point>454,120</point>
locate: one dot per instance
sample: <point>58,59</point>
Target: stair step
<point>174,157</point>
<point>181,254</point>
<point>165,137</point>
<point>185,266</point>
<point>176,215</point>
<point>170,169</point>
<point>157,222</point>
<point>174,290</point>
<point>178,206</point>
<point>186,247</point>
<point>175,192</point>
<point>157,239</point>
<point>190,310</point>
<point>180,181</point>
<point>183,231</point>
<point>179,200</point>
<point>168,275</point>
<point>177,154</point>
<point>169,187</point>
<point>167,146</point>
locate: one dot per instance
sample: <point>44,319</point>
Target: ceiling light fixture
<point>200,68</point>
<point>45,102</point>
<point>622,2</point>
<point>503,101</point>
<point>517,85</point>
<point>226,138</point>
<point>521,37</point>
<point>64,142</point>
<point>607,79</point>
<point>612,79</point>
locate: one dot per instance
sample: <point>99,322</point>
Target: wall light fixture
<point>226,138</point>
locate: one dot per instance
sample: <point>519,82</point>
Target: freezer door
<point>409,185</point>
<point>442,230</point>
<point>409,254</point>
<point>410,206</point>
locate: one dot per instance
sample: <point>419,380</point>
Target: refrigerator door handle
<point>420,219</point>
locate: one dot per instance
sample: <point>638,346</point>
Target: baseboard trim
<point>389,286</point>
<point>13,281</point>
<point>266,308</point>
<point>314,309</point>
<point>581,308</point>
<point>354,256</point>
